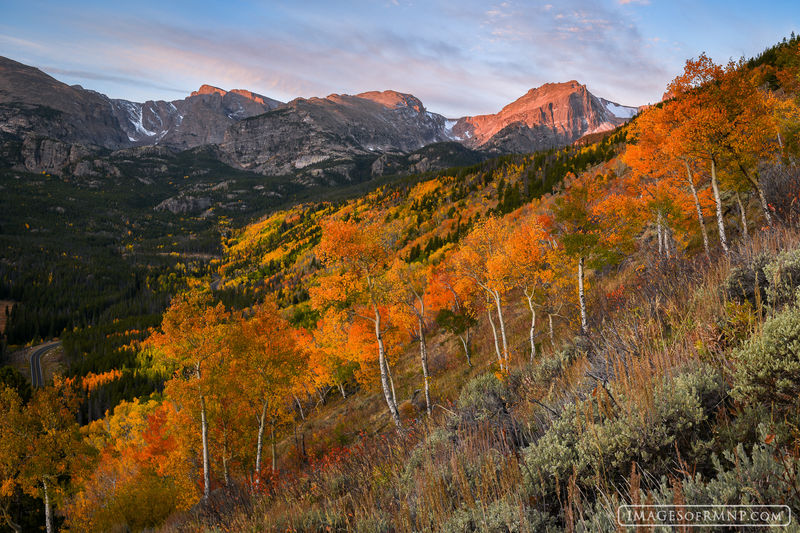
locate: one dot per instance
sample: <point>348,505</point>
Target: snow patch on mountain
<point>620,111</point>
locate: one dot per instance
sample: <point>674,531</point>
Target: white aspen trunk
<point>260,440</point>
<point>423,353</point>
<point>465,343</point>
<point>388,392</point>
<point>718,201</point>
<point>341,389</point>
<point>743,214</point>
<point>660,233</point>
<point>496,342</point>
<point>552,333</point>
<point>582,297</point>
<point>423,347</point>
<point>764,204</point>
<point>48,515</point>
<point>761,198</point>
<point>532,333</point>
<point>668,242</point>
<point>225,473</point>
<point>391,381</point>
<point>299,407</point>
<point>699,209</point>
<point>206,461</point>
<point>499,306</point>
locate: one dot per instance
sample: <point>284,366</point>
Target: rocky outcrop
<point>47,155</point>
<point>183,204</point>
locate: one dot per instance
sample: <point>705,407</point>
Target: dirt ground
<point>53,362</point>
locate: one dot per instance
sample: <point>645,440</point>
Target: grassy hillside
<point>523,344</point>
<point>662,404</point>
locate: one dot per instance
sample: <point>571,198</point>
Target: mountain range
<point>46,125</point>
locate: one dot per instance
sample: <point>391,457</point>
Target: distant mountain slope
<point>332,130</point>
<point>33,103</point>
<point>46,125</point>
<point>555,114</point>
<point>198,119</point>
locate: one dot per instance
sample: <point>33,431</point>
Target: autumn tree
<point>40,445</point>
<point>753,133</point>
<point>409,290</point>
<point>358,256</point>
<point>526,254</point>
<point>266,352</point>
<point>481,260</point>
<point>328,363</point>
<point>454,298</point>
<point>137,482</point>
<point>659,171</point>
<point>190,345</point>
<point>703,125</point>
<point>13,446</point>
<point>595,225</point>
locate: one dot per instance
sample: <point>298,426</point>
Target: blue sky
<point>466,57</point>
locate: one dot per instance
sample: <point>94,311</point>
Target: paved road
<point>37,379</point>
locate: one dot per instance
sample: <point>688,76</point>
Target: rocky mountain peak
<point>551,115</point>
<point>393,99</point>
<point>209,89</point>
<point>250,95</point>
<point>257,98</point>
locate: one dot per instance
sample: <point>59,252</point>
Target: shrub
<point>597,446</point>
<point>767,475</point>
<point>783,276</point>
<point>500,516</point>
<point>768,365</point>
<point>439,439</point>
<point>483,397</point>
<point>748,280</point>
<point>550,367</point>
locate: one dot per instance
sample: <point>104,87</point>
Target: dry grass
<point>457,470</point>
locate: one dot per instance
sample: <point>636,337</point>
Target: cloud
<point>583,40</point>
<point>23,43</point>
<point>87,75</point>
<point>465,58</point>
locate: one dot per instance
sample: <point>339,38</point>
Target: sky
<point>460,58</point>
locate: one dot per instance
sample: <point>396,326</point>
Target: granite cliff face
<point>555,114</point>
<point>320,132</point>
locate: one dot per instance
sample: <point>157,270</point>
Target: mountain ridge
<point>312,138</point>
